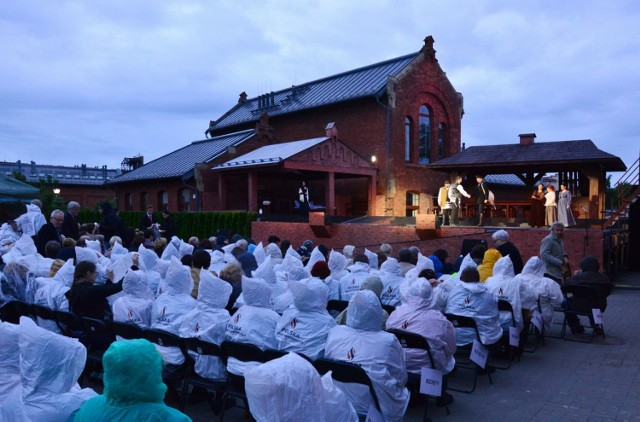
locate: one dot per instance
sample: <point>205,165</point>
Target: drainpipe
<point>387,149</point>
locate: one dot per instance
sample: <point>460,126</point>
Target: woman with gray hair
<point>505,247</point>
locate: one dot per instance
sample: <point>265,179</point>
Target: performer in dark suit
<point>482,197</point>
<point>50,231</point>
<point>71,227</point>
<point>147,220</point>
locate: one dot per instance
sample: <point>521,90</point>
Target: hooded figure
<point>9,362</point>
<point>133,388</point>
<point>17,282</point>
<point>135,305</point>
<point>253,323</point>
<point>424,263</point>
<point>338,266</point>
<point>549,292</point>
<point>504,285</point>
<point>316,255</point>
<point>208,322</point>
<point>259,253</point>
<point>170,308</point>
<point>377,352</point>
<point>485,269</point>
<point>352,282</point>
<point>272,250</point>
<point>304,328</point>
<point>217,262</point>
<point>472,299</point>
<point>32,221</point>
<point>248,263</point>
<point>290,389</point>
<point>391,280</point>
<point>51,293</point>
<point>417,316</point>
<point>50,365</point>
<point>442,291</point>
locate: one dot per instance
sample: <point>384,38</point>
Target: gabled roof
<point>180,163</point>
<point>14,190</point>
<point>541,156</point>
<point>358,83</point>
<point>271,154</point>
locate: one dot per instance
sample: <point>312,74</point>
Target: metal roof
<point>271,154</point>
<point>64,175</point>
<point>539,153</point>
<point>180,163</point>
<point>358,83</point>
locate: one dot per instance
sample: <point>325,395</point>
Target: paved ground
<point>562,380</point>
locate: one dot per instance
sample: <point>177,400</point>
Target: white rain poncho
<point>253,323</point>
<point>504,285</point>
<point>9,359</point>
<point>51,293</point>
<point>7,233</point>
<point>391,281</point>
<point>32,221</point>
<point>474,300</point>
<point>208,322</point>
<point>24,248</point>
<point>217,262</point>
<point>94,245</point>
<point>171,250</point>
<point>316,255</point>
<point>170,308</point>
<point>118,251</point>
<point>304,328</point>
<point>50,365</point>
<point>442,291</point>
<point>373,259</point>
<point>549,292</point>
<point>379,353</point>
<point>148,258</point>
<point>17,282</point>
<point>281,297</point>
<point>259,254</point>
<point>135,305</point>
<point>338,267</point>
<point>290,389</point>
<point>424,263</point>
<point>348,251</point>
<point>352,282</point>
<point>417,316</point>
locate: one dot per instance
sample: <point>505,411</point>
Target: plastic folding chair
<point>172,375</point>
<point>416,341</point>
<point>348,373</point>
<point>505,306</point>
<point>587,297</point>
<point>128,330</point>
<point>244,352</point>
<point>337,305</point>
<point>70,324</point>
<point>460,321</point>
<point>98,336</point>
<point>12,311</point>
<point>192,379</point>
<point>388,308</point>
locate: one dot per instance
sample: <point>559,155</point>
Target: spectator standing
<point>505,247</point>
<point>71,226</point>
<point>552,252</point>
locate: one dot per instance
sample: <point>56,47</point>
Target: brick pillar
<point>222,191</point>
<point>330,193</point>
<point>373,191</point>
<point>252,191</point>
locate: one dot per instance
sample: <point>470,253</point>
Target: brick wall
<point>372,236</point>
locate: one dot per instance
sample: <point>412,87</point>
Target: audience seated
<point>304,328</point>
<point>208,322</point>
<point>546,289</point>
<point>391,281</point>
<point>135,305</point>
<point>133,388</point>
<point>490,258</point>
<point>352,282</point>
<point>379,353</point>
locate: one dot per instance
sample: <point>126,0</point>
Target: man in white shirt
<point>456,192</point>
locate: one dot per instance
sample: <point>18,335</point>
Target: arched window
<point>408,129</point>
<point>163,200</point>
<point>128,202</point>
<point>184,199</point>
<point>424,142</point>
<point>144,200</point>
<point>442,137</point>
<point>413,203</point>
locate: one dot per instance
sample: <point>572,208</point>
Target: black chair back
<point>43,312</point>
<point>12,311</point>
<point>244,352</point>
<point>413,341</point>
<point>128,330</point>
<point>505,305</point>
<point>203,347</point>
<point>69,323</point>
<point>348,373</point>
<point>337,305</point>
<point>388,308</point>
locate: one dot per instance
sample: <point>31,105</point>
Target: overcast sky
<point>94,82</point>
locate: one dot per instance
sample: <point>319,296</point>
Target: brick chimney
<point>243,97</point>
<point>331,131</point>
<point>527,138</point>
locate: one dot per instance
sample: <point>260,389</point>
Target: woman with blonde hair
<point>550,206</point>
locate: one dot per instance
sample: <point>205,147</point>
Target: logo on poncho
<point>500,292</point>
<point>293,323</point>
<point>353,281</point>
<point>389,290</point>
<point>196,328</point>
<point>129,312</point>
<point>236,319</point>
<point>351,353</point>
<point>405,325</point>
<point>164,309</point>
<point>467,300</point>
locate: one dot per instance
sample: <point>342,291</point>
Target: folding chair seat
<point>172,375</point>
<point>271,354</point>
<point>12,311</point>
<point>416,341</point>
<point>505,306</point>
<point>463,353</point>
<point>588,300</point>
<point>533,330</point>
<point>70,324</point>
<point>347,373</point>
<point>192,379</point>
<point>98,336</point>
<point>389,308</point>
<point>244,352</point>
<point>127,330</point>
<point>337,305</point>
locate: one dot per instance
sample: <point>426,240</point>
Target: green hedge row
<point>200,224</point>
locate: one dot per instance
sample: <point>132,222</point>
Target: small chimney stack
<point>527,138</point>
<point>331,131</point>
<point>243,97</point>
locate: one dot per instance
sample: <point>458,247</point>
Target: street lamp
<point>56,191</point>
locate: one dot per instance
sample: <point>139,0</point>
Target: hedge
<point>200,224</point>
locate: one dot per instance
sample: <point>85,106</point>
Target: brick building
<point>399,116</point>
